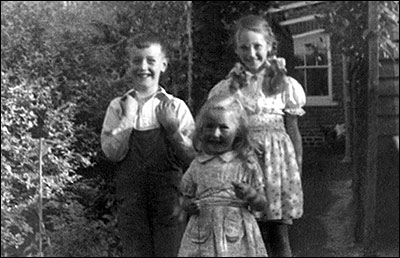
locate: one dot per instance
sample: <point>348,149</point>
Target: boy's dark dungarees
<point>147,188</point>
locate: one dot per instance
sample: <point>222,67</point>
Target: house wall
<point>318,119</point>
<point>387,188</point>
<point>388,107</point>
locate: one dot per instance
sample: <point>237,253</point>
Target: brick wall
<point>313,124</point>
<point>318,118</point>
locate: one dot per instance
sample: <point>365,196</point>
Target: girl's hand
<point>244,191</point>
<point>191,207</point>
<point>257,201</point>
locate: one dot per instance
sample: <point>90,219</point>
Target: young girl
<point>222,185</point>
<point>273,102</point>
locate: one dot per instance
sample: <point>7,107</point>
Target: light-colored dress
<point>225,225</point>
<point>266,118</point>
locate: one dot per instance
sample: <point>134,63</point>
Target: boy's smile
<point>147,64</point>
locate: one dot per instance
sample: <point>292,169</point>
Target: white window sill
<point>320,102</point>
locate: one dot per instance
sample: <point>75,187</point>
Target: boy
<point>149,132</point>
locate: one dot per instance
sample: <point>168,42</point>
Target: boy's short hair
<point>145,40</point>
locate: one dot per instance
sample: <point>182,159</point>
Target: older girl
<point>273,102</point>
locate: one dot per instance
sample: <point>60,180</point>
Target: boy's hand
<point>128,106</point>
<point>244,191</point>
<point>192,207</point>
<point>166,116</point>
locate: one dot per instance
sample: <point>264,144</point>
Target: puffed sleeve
<point>295,97</point>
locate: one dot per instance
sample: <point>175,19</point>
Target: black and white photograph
<point>199,129</point>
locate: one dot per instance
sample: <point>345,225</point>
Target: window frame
<point>320,100</point>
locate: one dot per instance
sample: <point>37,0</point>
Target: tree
<point>346,21</point>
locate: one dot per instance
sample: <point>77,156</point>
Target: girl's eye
<point>151,61</point>
<point>243,48</point>
<point>258,46</point>
<point>224,127</point>
<point>136,61</point>
<point>208,126</point>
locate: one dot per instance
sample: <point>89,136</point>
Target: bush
<point>59,65</point>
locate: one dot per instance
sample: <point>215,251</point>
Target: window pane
<point>313,80</point>
<point>317,82</point>
<point>312,49</point>
<point>315,55</point>
<point>299,60</point>
<point>311,52</point>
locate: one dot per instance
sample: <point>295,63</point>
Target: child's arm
<point>117,128</point>
<point>294,133</point>
<point>256,199</point>
<point>177,120</point>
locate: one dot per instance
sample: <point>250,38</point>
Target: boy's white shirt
<point>117,129</point>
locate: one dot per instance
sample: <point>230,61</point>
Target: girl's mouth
<point>144,75</point>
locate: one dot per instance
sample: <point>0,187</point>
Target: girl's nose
<point>217,133</point>
<point>252,52</point>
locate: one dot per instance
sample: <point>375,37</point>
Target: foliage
<point>61,63</point>
<point>347,22</point>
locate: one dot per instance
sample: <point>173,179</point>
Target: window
<point>313,66</point>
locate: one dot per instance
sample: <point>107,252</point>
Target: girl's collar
<point>226,156</point>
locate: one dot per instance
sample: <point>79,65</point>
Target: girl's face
<point>252,49</point>
<point>146,65</point>
<point>219,131</point>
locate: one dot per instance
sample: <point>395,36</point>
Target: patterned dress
<point>281,173</point>
<point>225,225</point>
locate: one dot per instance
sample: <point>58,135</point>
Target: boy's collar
<point>226,156</point>
<point>159,92</point>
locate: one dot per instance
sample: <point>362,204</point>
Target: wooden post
<point>190,54</point>
<point>347,110</point>
<point>369,188</point>
<point>40,212</point>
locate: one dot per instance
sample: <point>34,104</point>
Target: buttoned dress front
<point>277,157</point>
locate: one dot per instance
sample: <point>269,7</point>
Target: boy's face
<point>252,49</point>
<point>146,65</point>
<point>219,131</point>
